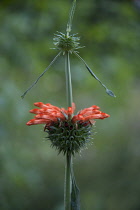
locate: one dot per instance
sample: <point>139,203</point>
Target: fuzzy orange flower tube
<point>67,133</point>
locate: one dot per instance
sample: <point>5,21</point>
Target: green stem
<point>68,80</point>
<point>68,183</point>
<point>67,191</point>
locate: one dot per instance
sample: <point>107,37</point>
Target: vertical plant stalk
<point>68,80</point>
<point>67,190</point>
<point>68,182</point>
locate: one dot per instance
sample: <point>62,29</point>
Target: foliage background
<point>31,173</point>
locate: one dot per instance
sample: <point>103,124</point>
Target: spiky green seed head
<point>66,43</point>
<point>67,137</point>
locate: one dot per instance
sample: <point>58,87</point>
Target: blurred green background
<point>108,171</point>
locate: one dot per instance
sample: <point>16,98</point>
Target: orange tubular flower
<point>67,133</point>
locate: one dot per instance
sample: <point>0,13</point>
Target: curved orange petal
<point>89,110</point>
<point>40,104</point>
<point>95,107</point>
<point>37,121</point>
<point>96,116</point>
<point>35,111</point>
<point>77,117</point>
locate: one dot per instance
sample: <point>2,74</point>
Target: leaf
<point>35,82</point>
<point>109,92</point>
<point>75,195</point>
